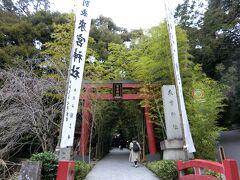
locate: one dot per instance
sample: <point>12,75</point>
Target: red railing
<point>66,170</point>
<point>229,169</point>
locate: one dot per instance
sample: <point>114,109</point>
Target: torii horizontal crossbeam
<point>109,97</point>
<point>89,86</point>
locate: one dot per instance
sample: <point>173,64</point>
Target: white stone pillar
<point>173,146</point>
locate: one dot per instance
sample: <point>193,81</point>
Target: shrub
<point>81,170</point>
<point>204,110</point>
<point>165,169</point>
<point>213,173</point>
<point>49,164</point>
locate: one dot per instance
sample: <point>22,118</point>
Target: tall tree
<point>25,7</point>
<point>190,13</point>
<point>27,114</point>
<point>215,44</point>
<point>104,31</point>
<point>117,65</point>
<point>16,39</point>
<point>21,37</point>
<point>154,65</point>
<point>8,5</point>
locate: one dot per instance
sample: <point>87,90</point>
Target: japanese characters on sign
<point>173,43</point>
<point>171,113</point>
<point>117,90</point>
<point>79,48</point>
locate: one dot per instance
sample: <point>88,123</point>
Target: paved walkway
<point>230,140</point>
<point>115,166</point>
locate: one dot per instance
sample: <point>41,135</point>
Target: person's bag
<point>135,147</point>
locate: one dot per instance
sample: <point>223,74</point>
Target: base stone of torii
<point>173,146</point>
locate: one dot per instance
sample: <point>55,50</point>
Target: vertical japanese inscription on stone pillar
<point>178,82</point>
<point>171,113</point>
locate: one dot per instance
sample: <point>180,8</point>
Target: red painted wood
<point>83,148</point>
<point>228,168</point>
<point>150,132</point>
<point>132,85</point>
<point>109,97</point>
<point>88,95</point>
<point>110,85</point>
<point>66,170</point>
<point>90,87</point>
<point>215,166</point>
<point>231,169</point>
<point>97,85</point>
<point>197,177</point>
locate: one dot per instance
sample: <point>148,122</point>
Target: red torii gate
<point>118,94</point>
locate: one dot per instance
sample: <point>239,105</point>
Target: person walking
<point>135,150</point>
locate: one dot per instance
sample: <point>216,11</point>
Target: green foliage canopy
<point>154,65</point>
<point>215,43</point>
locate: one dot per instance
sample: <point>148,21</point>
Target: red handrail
<point>228,169</point>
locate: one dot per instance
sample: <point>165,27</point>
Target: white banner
<point>78,54</point>
<point>173,43</point>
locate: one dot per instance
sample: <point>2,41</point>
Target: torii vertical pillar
<point>83,149</point>
<point>150,134</point>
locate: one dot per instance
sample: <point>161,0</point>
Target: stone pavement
<point>115,166</point>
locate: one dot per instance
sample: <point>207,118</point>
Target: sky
<point>130,14</point>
